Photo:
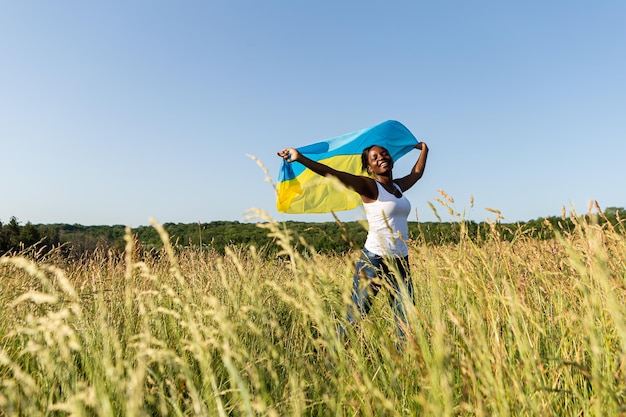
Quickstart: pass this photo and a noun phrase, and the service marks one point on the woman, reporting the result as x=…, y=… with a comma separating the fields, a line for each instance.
x=385, y=253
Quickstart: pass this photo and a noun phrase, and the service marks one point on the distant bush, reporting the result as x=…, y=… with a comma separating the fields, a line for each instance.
x=326, y=237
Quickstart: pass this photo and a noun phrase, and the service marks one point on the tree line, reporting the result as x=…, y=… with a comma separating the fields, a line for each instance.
x=76, y=240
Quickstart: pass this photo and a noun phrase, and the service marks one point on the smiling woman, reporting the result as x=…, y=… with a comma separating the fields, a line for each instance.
x=385, y=253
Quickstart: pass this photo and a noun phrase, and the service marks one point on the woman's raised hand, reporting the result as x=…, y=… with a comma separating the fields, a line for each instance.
x=289, y=154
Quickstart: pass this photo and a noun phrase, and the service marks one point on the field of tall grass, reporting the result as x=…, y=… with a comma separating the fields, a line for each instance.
x=499, y=328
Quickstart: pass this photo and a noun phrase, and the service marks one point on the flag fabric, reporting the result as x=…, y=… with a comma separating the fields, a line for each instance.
x=301, y=190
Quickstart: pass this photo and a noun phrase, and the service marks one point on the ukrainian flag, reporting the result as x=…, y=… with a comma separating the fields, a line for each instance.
x=300, y=190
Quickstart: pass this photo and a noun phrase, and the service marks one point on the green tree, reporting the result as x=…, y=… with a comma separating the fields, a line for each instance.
x=29, y=235
x=613, y=211
x=13, y=232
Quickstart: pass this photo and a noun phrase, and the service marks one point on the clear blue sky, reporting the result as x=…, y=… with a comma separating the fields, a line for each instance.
x=114, y=112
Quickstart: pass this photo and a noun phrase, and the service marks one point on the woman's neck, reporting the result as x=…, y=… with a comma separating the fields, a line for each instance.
x=385, y=179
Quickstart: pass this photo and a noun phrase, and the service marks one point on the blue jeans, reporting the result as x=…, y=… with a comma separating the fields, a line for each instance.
x=371, y=271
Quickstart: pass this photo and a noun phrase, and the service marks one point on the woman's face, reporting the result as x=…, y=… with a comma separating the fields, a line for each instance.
x=379, y=161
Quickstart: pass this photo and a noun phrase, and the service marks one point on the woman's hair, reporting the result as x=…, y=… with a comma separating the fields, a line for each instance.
x=365, y=154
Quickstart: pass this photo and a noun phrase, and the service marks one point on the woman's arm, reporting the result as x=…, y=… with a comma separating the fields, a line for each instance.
x=418, y=169
x=363, y=185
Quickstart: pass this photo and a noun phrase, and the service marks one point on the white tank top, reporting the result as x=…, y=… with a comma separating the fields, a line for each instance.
x=388, y=227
